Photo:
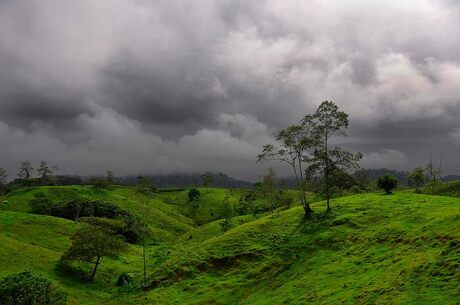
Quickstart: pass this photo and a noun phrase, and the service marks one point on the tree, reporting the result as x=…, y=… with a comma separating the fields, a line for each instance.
x=387, y=183
x=434, y=174
x=207, y=179
x=361, y=177
x=3, y=177
x=244, y=204
x=295, y=149
x=110, y=177
x=27, y=289
x=144, y=186
x=93, y=242
x=328, y=122
x=417, y=178
x=227, y=213
x=98, y=183
x=269, y=186
x=25, y=170
x=193, y=194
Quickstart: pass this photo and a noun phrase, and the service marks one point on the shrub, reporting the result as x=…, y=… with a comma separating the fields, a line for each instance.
x=41, y=204
x=193, y=194
x=124, y=280
x=387, y=183
x=27, y=289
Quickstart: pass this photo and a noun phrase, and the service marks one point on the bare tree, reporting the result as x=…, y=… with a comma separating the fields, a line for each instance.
x=295, y=149
x=434, y=173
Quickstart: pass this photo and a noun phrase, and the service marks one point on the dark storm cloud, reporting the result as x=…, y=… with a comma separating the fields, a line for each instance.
x=163, y=86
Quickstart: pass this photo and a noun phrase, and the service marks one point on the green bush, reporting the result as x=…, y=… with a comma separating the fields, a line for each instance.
x=27, y=289
x=193, y=194
x=387, y=183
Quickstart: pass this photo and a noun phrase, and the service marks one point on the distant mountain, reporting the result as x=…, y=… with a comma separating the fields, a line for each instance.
x=186, y=180
x=450, y=178
x=374, y=174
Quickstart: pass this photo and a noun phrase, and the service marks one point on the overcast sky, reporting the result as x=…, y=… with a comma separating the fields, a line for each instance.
x=188, y=86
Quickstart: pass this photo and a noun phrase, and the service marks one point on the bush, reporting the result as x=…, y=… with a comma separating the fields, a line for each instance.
x=27, y=289
x=193, y=194
x=124, y=280
x=387, y=183
x=41, y=204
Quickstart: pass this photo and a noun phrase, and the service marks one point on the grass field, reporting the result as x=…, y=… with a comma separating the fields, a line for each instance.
x=371, y=249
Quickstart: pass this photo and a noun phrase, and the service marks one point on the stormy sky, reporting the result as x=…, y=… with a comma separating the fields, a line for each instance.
x=155, y=87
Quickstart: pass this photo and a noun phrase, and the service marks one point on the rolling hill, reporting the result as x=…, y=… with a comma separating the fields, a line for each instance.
x=371, y=249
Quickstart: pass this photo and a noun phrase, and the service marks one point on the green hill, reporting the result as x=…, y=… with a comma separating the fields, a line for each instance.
x=451, y=189
x=372, y=249
x=164, y=219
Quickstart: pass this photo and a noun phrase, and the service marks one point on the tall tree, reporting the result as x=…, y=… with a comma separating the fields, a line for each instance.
x=227, y=213
x=417, y=178
x=143, y=185
x=93, y=242
x=25, y=170
x=44, y=171
x=328, y=122
x=434, y=173
x=3, y=177
x=110, y=177
x=207, y=179
x=269, y=184
x=295, y=148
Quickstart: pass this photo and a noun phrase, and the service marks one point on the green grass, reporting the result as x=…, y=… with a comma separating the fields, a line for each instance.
x=371, y=249
x=451, y=189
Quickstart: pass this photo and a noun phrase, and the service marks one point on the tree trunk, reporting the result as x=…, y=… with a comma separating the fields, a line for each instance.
x=96, y=264
x=307, y=211
x=326, y=174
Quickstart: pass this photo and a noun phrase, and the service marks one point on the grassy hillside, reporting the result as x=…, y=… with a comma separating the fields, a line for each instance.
x=451, y=189
x=36, y=242
x=164, y=219
x=372, y=249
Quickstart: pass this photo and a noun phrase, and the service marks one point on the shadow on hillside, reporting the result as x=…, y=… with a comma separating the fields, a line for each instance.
x=73, y=273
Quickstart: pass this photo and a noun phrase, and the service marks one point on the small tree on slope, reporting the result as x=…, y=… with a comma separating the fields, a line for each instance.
x=91, y=243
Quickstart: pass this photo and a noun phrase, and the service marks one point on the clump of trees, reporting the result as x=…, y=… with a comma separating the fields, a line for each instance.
x=78, y=209
x=96, y=239
x=306, y=148
x=27, y=289
x=387, y=183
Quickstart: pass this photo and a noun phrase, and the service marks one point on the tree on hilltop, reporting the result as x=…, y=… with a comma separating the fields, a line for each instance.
x=25, y=170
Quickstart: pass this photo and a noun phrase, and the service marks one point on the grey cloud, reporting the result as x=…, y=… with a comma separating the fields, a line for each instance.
x=184, y=80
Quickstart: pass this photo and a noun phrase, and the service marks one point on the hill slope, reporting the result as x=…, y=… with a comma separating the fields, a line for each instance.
x=164, y=219
x=372, y=249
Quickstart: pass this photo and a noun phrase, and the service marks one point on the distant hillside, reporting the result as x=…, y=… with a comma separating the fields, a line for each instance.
x=187, y=180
